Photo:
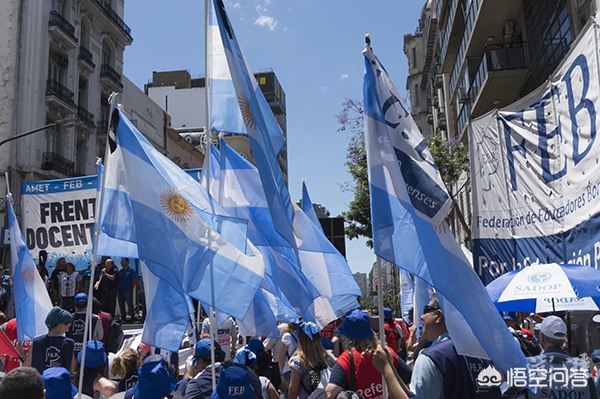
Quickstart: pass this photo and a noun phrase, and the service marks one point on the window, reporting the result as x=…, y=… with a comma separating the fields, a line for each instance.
x=262, y=80
x=107, y=53
x=58, y=6
x=55, y=71
x=414, y=57
x=416, y=95
x=85, y=33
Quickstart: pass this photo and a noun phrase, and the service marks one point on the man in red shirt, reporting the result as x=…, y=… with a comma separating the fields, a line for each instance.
x=10, y=329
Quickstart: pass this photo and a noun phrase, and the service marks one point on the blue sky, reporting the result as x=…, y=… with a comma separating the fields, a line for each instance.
x=314, y=48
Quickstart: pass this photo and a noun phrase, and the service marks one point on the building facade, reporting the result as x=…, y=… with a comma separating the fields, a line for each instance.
x=184, y=98
x=361, y=280
x=468, y=57
x=60, y=62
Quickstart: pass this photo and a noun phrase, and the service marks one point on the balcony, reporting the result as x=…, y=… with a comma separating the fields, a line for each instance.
x=430, y=34
x=86, y=117
x=86, y=59
x=102, y=127
x=114, y=19
x=59, y=96
x=110, y=79
x=60, y=29
x=509, y=66
x=53, y=161
x=448, y=31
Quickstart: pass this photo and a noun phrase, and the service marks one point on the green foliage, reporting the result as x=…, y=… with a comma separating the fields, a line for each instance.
x=451, y=158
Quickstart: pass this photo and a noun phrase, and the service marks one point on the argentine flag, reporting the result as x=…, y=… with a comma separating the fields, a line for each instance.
x=172, y=221
x=408, y=205
x=308, y=208
x=32, y=302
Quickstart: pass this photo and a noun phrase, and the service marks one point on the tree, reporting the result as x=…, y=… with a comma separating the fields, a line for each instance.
x=320, y=210
x=451, y=158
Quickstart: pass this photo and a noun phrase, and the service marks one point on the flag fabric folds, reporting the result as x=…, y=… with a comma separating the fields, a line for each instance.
x=308, y=208
x=408, y=205
x=32, y=302
x=239, y=189
x=264, y=134
x=174, y=225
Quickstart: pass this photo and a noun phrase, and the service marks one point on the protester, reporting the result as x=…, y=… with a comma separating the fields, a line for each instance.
x=439, y=371
x=5, y=289
x=76, y=332
x=22, y=382
x=154, y=380
x=200, y=386
x=553, y=368
x=125, y=365
x=107, y=287
x=94, y=379
x=127, y=280
x=226, y=335
x=69, y=282
x=10, y=329
x=246, y=357
x=289, y=342
x=309, y=364
x=383, y=362
x=53, y=349
x=59, y=267
x=355, y=371
x=265, y=366
x=237, y=381
x=394, y=336
x=57, y=381
x=105, y=318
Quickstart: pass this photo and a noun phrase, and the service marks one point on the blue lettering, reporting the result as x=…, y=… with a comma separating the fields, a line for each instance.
x=584, y=103
x=512, y=148
x=545, y=137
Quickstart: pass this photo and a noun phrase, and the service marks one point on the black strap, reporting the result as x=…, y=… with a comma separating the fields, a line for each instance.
x=352, y=370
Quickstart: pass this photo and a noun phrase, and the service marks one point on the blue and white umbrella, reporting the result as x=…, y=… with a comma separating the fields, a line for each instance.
x=547, y=288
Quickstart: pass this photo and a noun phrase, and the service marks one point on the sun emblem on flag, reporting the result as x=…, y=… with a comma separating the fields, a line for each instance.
x=246, y=111
x=175, y=206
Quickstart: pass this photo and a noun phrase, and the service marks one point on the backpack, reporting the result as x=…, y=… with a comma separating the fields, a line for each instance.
x=528, y=347
x=318, y=381
x=116, y=336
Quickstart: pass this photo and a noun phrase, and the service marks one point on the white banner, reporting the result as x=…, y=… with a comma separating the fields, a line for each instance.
x=536, y=172
x=58, y=217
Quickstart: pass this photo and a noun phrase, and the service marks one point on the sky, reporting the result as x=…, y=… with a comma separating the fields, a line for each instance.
x=314, y=48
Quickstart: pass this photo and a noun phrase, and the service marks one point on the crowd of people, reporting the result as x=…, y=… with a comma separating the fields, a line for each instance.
x=343, y=360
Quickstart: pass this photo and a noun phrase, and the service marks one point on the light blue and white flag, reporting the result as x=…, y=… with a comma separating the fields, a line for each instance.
x=32, y=302
x=408, y=205
x=261, y=126
x=226, y=115
x=175, y=225
x=308, y=208
x=167, y=312
x=285, y=290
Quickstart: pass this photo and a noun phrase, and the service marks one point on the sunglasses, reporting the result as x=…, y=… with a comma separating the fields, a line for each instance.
x=429, y=309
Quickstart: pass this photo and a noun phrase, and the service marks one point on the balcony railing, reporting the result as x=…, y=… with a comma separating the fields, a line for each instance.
x=494, y=58
x=448, y=29
x=86, y=116
x=86, y=56
x=110, y=13
x=53, y=161
x=108, y=72
x=55, y=88
x=102, y=127
x=59, y=21
x=472, y=13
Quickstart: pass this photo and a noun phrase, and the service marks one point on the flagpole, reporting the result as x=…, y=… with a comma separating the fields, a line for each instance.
x=97, y=215
x=207, y=133
x=382, y=340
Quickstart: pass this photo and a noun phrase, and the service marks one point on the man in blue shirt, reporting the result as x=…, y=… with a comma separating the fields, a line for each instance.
x=127, y=278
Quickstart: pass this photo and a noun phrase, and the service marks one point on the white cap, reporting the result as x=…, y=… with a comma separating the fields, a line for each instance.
x=554, y=327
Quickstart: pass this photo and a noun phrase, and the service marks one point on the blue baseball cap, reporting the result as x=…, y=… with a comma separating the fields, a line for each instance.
x=256, y=346
x=94, y=354
x=80, y=298
x=387, y=314
x=154, y=381
x=511, y=316
x=57, y=381
x=234, y=383
x=357, y=325
x=203, y=347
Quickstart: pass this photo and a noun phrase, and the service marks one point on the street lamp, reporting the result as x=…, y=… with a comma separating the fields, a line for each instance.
x=27, y=133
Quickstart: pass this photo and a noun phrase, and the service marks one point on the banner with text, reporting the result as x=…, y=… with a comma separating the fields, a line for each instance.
x=535, y=172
